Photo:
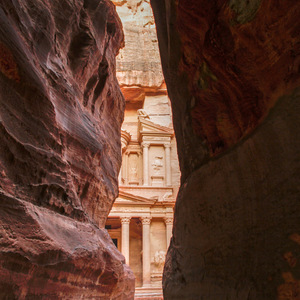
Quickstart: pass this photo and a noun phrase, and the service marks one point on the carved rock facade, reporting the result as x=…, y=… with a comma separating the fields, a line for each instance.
x=140, y=222
x=60, y=116
x=232, y=72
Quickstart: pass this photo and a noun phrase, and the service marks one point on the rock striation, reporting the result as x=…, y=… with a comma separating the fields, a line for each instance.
x=61, y=110
x=232, y=73
x=138, y=63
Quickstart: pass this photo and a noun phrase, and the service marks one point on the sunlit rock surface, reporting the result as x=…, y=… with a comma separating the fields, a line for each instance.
x=138, y=63
x=60, y=115
x=232, y=72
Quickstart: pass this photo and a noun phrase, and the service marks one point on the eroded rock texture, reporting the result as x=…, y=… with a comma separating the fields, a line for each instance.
x=60, y=115
x=232, y=72
x=138, y=63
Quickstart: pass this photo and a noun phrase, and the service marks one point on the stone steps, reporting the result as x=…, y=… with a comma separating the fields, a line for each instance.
x=151, y=293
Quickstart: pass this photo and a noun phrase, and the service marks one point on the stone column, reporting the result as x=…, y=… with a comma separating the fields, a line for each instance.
x=140, y=174
x=168, y=163
x=125, y=238
x=169, y=226
x=146, y=251
x=126, y=168
x=146, y=162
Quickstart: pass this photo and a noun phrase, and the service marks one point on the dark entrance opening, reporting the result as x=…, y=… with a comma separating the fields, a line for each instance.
x=115, y=241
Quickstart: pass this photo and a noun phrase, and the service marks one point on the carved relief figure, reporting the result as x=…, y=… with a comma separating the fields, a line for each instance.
x=159, y=258
x=157, y=164
x=133, y=172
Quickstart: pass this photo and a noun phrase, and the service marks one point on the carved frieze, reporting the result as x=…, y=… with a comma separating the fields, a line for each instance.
x=157, y=139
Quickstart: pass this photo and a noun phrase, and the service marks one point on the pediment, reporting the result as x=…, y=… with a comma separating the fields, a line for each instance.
x=146, y=126
x=127, y=198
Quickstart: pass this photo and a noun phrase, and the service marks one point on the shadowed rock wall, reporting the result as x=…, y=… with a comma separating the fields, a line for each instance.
x=232, y=72
x=60, y=115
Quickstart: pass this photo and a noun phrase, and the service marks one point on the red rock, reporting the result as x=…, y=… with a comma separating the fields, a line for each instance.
x=45, y=254
x=232, y=73
x=60, y=110
x=133, y=93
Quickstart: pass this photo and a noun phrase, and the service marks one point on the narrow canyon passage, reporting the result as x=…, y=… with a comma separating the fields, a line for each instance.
x=141, y=219
x=231, y=69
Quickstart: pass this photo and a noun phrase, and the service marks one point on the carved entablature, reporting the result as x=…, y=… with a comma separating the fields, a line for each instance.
x=160, y=140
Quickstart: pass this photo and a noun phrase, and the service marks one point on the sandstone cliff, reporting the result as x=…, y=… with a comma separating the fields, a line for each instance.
x=138, y=63
x=60, y=115
x=232, y=72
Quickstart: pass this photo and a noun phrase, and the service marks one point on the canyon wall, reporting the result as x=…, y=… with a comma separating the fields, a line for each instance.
x=61, y=110
x=232, y=73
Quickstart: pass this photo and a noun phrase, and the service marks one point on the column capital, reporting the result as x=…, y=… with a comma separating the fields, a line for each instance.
x=167, y=145
x=125, y=220
x=169, y=220
x=146, y=220
x=145, y=144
